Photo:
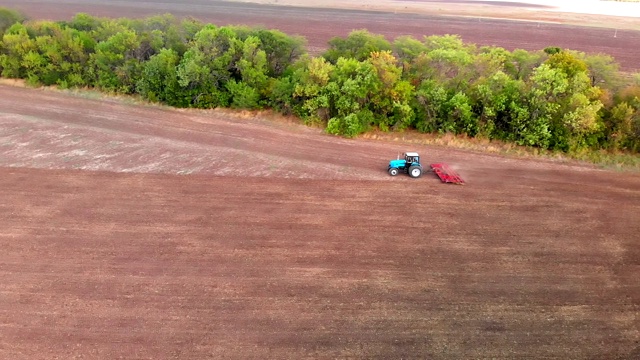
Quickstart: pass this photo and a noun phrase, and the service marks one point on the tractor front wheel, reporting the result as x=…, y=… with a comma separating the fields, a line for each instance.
x=415, y=171
x=393, y=171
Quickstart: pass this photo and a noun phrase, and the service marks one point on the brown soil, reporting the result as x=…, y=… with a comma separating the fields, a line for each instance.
x=133, y=231
x=211, y=234
x=319, y=21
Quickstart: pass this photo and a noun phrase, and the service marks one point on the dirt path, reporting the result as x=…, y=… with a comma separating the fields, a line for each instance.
x=316, y=254
x=54, y=130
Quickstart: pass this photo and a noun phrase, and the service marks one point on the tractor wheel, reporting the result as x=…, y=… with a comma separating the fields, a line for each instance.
x=415, y=171
x=393, y=171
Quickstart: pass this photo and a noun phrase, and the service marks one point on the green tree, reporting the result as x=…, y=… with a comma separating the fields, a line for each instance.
x=521, y=63
x=16, y=46
x=178, y=36
x=441, y=110
x=159, y=80
x=252, y=87
x=445, y=42
x=548, y=86
x=552, y=50
x=358, y=45
x=603, y=71
x=390, y=98
x=162, y=31
x=447, y=62
x=407, y=49
x=85, y=22
x=352, y=82
x=243, y=96
x=281, y=94
x=8, y=17
x=311, y=81
x=208, y=65
x=500, y=104
x=362, y=94
x=62, y=55
x=620, y=125
x=489, y=61
x=577, y=123
x=280, y=49
x=567, y=62
x=460, y=117
x=429, y=106
x=113, y=65
x=633, y=140
x=252, y=65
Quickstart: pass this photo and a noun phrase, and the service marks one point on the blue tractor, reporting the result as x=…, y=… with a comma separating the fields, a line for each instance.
x=410, y=165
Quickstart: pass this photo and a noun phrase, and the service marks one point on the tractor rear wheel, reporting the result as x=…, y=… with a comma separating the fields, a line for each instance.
x=393, y=171
x=415, y=171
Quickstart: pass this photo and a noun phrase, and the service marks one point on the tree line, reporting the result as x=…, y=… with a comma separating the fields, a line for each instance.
x=554, y=98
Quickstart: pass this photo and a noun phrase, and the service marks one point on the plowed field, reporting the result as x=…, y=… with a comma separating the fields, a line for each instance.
x=480, y=22
x=141, y=232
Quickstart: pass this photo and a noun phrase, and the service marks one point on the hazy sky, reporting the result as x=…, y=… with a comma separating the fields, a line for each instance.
x=615, y=8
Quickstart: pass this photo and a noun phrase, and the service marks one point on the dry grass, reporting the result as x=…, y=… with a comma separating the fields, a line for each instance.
x=619, y=161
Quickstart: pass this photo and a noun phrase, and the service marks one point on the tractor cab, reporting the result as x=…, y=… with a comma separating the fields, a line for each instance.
x=412, y=158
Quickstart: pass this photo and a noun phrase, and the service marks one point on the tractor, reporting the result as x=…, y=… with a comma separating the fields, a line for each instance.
x=410, y=165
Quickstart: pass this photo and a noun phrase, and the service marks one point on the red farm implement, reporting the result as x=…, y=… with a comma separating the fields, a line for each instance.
x=447, y=174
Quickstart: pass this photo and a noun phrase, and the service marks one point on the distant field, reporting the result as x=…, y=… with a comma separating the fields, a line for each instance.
x=479, y=24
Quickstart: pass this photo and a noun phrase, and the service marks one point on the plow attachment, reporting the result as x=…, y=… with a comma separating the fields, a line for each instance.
x=447, y=174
